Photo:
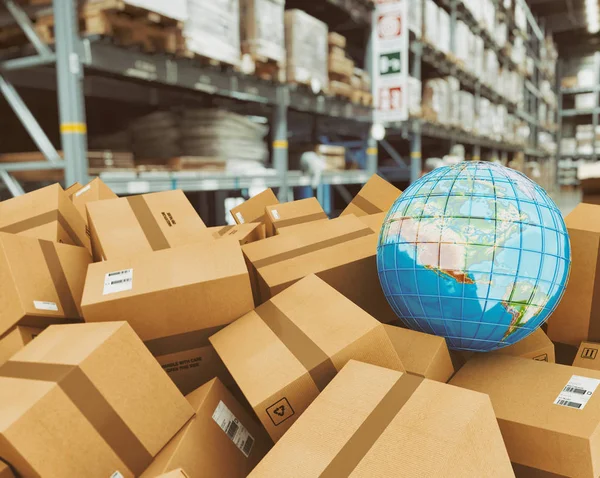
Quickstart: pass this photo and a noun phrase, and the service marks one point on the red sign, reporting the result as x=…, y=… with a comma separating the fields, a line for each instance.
x=389, y=26
x=390, y=99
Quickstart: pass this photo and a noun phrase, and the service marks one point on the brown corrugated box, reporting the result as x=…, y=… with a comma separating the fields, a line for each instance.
x=577, y=317
x=527, y=472
x=376, y=196
x=293, y=213
x=587, y=356
x=15, y=340
x=342, y=252
x=536, y=346
x=221, y=440
x=46, y=213
x=374, y=422
x=178, y=473
x=86, y=400
x=95, y=190
x=284, y=352
x=41, y=281
x=539, y=433
x=5, y=471
x=591, y=190
x=422, y=354
x=174, y=300
x=144, y=223
x=73, y=188
x=253, y=210
x=374, y=221
x=244, y=233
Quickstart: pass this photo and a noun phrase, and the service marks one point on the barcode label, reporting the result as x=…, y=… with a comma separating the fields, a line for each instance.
x=44, y=305
x=233, y=428
x=239, y=217
x=82, y=190
x=577, y=392
x=118, y=281
x=275, y=214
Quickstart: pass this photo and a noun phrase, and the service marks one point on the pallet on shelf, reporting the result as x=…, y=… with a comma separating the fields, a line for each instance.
x=262, y=66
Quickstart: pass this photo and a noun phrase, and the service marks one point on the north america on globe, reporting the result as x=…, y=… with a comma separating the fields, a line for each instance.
x=476, y=253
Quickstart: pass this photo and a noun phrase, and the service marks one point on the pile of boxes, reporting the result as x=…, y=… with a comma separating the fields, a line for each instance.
x=166, y=348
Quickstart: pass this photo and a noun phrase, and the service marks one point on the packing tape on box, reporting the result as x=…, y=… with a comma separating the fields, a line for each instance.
x=42, y=220
x=334, y=241
x=371, y=429
x=91, y=403
x=181, y=342
x=148, y=223
x=294, y=221
x=59, y=279
x=309, y=354
x=365, y=205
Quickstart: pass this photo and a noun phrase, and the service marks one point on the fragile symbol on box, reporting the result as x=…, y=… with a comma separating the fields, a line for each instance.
x=541, y=358
x=280, y=411
x=389, y=26
x=589, y=353
x=390, y=99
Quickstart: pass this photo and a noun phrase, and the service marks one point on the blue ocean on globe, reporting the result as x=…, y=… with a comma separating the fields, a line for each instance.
x=477, y=253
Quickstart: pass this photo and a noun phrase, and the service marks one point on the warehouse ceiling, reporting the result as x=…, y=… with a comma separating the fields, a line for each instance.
x=566, y=20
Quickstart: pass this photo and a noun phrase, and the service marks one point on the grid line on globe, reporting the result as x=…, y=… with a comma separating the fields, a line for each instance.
x=476, y=253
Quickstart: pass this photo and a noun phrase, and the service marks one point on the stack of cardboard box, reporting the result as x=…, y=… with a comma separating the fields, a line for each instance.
x=277, y=331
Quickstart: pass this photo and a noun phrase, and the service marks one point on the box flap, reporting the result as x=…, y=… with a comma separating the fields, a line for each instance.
x=376, y=196
x=585, y=217
x=253, y=210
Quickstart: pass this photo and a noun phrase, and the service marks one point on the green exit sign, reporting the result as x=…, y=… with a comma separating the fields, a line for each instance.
x=389, y=63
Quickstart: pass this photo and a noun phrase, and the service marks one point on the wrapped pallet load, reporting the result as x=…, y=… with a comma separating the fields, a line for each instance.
x=262, y=29
x=307, y=50
x=212, y=30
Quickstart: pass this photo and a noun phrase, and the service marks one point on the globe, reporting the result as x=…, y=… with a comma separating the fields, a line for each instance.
x=476, y=253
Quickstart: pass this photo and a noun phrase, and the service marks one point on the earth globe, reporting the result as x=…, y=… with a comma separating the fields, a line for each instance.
x=477, y=253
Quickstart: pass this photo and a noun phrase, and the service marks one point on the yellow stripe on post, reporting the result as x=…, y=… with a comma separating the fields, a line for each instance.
x=280, y=144
x=73, y=128
x=415, y=155
x=372, y=151
x=476, y=158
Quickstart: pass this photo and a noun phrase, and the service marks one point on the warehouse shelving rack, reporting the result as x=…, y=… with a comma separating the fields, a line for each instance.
x=415, y=129
x=73, y=55
x=573, y=113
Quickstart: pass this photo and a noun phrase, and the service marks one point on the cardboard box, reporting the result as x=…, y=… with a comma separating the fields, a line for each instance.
x=538, y=431
x=292, y=213
x=253, y=210
x=41, y=281
x=174, y=300
x=178, y=473
x=527, y=472
x=375, y=422
x=577, y=317
x=374, y=221
x=95, y=190
x=5, y=471
x=342, y=252
x=221, y=440
x=376, y=196
x=307, y=50
x=15, y=340
x=587, y=356
x=422, y=354
x=145, y=223
x=286, y=351
x=45, y=213
x=73, y=188
x=86, y=400
x=244, y=233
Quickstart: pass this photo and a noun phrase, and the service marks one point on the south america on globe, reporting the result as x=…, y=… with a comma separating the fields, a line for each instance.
x=477, y=253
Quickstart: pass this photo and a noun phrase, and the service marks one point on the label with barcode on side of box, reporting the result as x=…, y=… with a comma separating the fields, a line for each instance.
x=233, y=428
x=117, y=474
x=118, y=281
x=44, y=305
x=577, y=392
x=239, y=217
x=82, y=190
x=275, y=214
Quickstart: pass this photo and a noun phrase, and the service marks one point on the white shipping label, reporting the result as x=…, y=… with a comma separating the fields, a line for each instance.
x=82, y=190
x=117, y=474
x=118, y=281
x=43, y=305
x=577, y=392
x=239, y=217
x=234, y=429
x=275, y=214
